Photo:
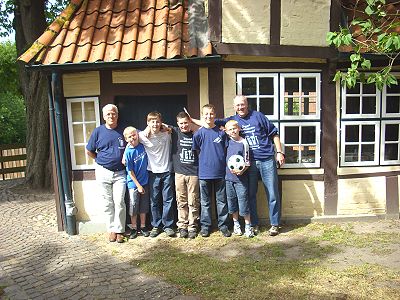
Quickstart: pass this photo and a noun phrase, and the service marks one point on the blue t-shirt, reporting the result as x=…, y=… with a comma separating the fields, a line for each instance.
x=258, y=131
x=211, y=144
x=237, y=148
x=109, y=145
x=136, y=161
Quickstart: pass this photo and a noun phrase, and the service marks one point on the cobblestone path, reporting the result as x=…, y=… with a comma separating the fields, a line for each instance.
x=38, y=262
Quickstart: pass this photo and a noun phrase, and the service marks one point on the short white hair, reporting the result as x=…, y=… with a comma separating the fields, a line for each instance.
x=239, y=97
x=110, y=107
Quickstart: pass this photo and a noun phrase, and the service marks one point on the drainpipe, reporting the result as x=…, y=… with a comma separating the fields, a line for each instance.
x=56, y=152
x=70, y=209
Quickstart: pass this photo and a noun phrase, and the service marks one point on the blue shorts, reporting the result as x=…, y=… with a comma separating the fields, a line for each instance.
x=139, y=203
x=237, y=195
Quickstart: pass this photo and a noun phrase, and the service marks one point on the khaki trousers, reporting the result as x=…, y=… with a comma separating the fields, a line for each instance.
x=188, y=201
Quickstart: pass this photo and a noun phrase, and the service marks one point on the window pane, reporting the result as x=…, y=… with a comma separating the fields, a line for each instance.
x=80, y=155
x=76, y=110
x=89, y=129
x=252, y=103
x=291, y=106
x=291, y=85
x=391, y=132
x=392, y=104
x=267, y=106
x=367, y=152
x=354, y=90
x=249, y=86
x=291, y=135
x=308, y=135
x=308, y=85
x=394, y=89
x=266, y=86
x=309, y=106
x=308, y=154
x=369, y=105
x=368, y=133
x=352, y=105
x=369, y=89
x=292, y=155
x=352, y=132
x=78, y=133
x=89, y=111
x=351, y=153
x=391, y=152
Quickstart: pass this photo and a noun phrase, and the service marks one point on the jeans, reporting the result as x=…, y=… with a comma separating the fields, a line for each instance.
x=206, y=187
x=269, y=177
x=161, y=187
x=188, y=201
x=238, y=200
x=112, y=186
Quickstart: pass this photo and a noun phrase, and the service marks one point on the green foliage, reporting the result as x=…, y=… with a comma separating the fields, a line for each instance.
x=374, y=35
x=12, y=107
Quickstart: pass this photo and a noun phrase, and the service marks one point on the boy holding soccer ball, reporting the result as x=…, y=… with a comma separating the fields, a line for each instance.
x=236, y=178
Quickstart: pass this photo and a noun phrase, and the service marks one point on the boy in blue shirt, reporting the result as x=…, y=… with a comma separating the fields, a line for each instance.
x=137, y=181
x=210, y=142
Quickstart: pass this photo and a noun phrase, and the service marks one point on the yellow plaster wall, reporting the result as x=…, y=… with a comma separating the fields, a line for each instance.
x=150, y=76
x=246, y=21
x=358, y=196
x=81, y=84
x=305, y=22
x=229, y=76
x=302, y=198
x=204, y=97
x=87, y=202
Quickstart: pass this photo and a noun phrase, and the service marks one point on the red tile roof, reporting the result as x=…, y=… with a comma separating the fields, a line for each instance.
x=118, y=30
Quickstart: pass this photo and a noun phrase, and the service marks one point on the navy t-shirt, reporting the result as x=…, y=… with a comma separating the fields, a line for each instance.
x=258, y=131
x=211, y=144
x=236, y=148
x=185, y=159
x=109, y=144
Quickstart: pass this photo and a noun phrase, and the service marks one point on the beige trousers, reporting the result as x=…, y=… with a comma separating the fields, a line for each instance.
x=188, y=201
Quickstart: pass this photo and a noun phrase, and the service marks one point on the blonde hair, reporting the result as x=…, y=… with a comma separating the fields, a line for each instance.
x=232, y=123
x=128, y=130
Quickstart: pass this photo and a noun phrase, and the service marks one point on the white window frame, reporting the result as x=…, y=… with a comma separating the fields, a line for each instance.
x=317, y=77
x=240, y=76
x=384, y=96
x=383, y=142
x=345, y=115
x=72, y=143
x=343, y=144
x=317, y=126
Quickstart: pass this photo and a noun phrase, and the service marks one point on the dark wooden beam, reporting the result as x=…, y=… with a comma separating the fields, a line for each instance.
x=215, y=20
x=215, y=89
x=275, y=27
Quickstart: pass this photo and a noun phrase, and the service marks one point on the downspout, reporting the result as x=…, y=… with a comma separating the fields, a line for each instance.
x=56, y=152
x=70, y=209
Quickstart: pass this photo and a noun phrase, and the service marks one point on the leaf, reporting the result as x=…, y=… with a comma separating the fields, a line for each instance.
x=369, y=11
x=355, y=57
x=366, y=64
x=338, y=76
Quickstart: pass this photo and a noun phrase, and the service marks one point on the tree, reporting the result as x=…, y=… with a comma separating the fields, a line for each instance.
x=371, y=31
x=29, y=23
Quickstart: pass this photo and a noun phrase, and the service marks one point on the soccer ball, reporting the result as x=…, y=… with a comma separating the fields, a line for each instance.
x=236, y=163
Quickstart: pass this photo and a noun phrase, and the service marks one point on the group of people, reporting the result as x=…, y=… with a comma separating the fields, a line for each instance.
x=188, y=162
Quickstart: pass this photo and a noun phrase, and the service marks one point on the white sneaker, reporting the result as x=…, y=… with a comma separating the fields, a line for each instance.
x=249, y=232
x=237, y=230
x=274, y=230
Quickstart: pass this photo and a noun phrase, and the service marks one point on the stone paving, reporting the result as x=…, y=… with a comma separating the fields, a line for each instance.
x=38, y=262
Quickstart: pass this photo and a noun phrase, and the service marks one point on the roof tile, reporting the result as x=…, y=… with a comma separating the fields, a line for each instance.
x=117, y=30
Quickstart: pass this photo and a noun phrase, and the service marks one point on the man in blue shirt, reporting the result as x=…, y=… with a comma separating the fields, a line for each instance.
x=106, y=145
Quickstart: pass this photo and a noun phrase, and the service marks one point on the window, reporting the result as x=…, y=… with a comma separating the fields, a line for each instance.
x=83, y=118
x=370, y=121
x=292, y=102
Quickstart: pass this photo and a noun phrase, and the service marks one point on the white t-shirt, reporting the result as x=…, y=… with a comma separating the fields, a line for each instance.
x=158, y=149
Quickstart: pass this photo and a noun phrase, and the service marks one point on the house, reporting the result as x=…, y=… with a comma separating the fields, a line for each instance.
x=342, y=145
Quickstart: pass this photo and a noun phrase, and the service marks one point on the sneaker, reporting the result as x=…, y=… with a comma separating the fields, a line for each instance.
x=144, y=231
x=155, y=232
x=249, y=232
x=120, y=238
x=256, y=229
x=133, y=234
x=225, y=232
x=170, y=232
x=113, y=237
x=204, y=232
x=237, y=230
x=274, y=230
x=183, y=233
x=192, y=234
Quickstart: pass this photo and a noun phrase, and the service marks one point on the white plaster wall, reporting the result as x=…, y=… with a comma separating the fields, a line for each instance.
x=305, y=22
x=87, y=201
x=246, y=21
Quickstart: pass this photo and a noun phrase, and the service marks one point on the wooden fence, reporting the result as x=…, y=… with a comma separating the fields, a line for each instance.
x=12, y=161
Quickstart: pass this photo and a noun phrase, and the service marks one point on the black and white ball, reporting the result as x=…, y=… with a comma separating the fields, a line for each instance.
x=236, y=163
